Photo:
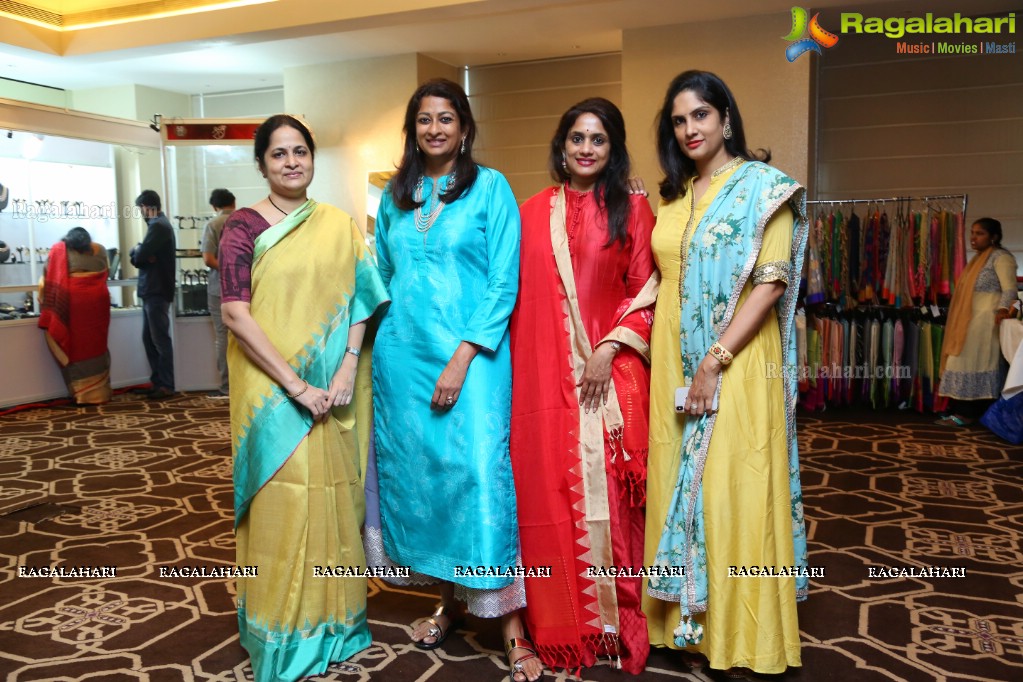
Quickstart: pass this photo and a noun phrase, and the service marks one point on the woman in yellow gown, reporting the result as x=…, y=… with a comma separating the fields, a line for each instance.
x=723, y=496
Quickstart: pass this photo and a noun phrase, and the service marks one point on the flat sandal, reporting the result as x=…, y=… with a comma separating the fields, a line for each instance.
x=439, y=633
x=516, y=667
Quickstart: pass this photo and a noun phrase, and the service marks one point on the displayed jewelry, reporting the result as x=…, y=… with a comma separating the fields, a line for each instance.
x=425, y=222
x=270, y=199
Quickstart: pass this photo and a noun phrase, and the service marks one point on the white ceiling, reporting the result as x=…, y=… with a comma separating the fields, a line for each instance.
x=470, y=33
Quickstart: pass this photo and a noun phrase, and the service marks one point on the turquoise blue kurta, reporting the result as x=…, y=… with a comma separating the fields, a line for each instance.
x=447, y=498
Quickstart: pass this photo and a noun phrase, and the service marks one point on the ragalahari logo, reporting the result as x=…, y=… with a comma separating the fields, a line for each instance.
x=819, y=37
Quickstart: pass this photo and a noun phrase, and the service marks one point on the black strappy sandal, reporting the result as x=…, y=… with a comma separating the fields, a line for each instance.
x=439, y=633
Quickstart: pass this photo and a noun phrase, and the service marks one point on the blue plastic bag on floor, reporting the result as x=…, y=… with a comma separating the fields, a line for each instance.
x=1005, y=419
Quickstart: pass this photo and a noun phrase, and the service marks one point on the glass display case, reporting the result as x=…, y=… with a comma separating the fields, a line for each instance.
x=49, y=185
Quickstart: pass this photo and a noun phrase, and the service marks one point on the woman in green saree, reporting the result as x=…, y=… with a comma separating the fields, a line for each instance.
x=298, y=285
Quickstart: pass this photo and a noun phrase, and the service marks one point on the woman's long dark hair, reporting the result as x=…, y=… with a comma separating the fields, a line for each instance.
x=678, y=167
x=612, y=187
x=412, y=165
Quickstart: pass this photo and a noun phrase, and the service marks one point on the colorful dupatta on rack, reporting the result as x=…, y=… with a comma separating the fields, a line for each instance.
x=298, y=497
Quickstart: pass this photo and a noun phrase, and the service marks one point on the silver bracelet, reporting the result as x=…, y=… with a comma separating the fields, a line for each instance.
x=353, y=350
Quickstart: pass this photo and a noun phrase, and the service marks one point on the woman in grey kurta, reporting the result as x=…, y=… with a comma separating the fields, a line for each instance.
x=447, y=236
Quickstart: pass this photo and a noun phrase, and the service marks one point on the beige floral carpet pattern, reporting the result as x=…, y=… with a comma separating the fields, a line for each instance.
x=146, y=485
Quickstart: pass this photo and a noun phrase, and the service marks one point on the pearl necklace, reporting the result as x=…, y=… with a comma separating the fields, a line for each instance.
x=425, y=222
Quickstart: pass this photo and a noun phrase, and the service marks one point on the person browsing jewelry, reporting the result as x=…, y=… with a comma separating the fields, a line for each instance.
x=447, y=236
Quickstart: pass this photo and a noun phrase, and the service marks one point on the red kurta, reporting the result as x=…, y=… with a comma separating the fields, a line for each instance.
x=561, y=611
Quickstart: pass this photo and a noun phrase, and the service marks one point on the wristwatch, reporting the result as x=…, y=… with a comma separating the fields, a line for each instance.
x=616, y=345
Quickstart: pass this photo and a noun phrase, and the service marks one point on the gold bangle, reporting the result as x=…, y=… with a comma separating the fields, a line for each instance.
x=723, y=355
x=304, y=389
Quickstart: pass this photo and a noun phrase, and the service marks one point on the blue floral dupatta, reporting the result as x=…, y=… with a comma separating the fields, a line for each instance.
x=721, y=256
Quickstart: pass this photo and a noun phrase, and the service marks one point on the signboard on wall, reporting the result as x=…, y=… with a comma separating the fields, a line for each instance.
x=206, y=131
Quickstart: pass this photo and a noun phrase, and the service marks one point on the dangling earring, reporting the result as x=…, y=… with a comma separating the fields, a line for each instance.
x=418, y=151
x=463, y=146
x=564, y=161
x=727, y=132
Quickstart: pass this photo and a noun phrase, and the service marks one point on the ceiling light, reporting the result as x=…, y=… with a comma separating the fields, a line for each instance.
x=67, y=22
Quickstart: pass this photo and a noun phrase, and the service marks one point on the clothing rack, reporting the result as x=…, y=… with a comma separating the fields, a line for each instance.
x=884, y=200
x=877, y=291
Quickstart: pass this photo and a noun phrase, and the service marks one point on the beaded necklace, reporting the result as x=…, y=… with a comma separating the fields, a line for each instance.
x=425, y=222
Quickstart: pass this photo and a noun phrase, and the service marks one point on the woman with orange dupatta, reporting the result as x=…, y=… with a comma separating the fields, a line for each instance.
x=75, y=313
x=298, y=285
x=580, y=393
x=972, y=367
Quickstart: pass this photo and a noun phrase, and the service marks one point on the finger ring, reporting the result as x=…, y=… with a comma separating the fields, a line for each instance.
x=451, y=399
x=693, y=409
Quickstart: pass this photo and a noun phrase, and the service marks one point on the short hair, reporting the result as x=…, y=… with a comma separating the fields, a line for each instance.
x=148, y=198
x=78, y=239
x=992, y=227
x=221, y=198
x=261, y=143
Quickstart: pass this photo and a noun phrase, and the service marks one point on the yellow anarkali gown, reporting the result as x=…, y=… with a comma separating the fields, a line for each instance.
x=750, y=622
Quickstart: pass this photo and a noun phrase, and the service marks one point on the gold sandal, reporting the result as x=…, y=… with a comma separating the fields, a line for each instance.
x=516, y=667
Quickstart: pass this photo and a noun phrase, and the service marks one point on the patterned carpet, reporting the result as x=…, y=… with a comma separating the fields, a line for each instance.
x=141, y=485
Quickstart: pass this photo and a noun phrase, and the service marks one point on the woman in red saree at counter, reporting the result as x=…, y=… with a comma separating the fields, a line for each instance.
x=75, y=313
x=580, y=391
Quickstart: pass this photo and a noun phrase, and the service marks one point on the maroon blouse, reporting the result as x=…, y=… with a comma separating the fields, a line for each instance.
x=237, y=244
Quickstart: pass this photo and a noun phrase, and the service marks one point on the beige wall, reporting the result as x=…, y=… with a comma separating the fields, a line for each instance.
x=518, y=106
x=773, y=95
x=911, y=125
x=356, y=110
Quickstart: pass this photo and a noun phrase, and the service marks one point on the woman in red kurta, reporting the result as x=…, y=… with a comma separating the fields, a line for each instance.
x=580, y=385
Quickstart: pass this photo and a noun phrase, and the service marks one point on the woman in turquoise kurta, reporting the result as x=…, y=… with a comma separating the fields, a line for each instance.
x=447, y=236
